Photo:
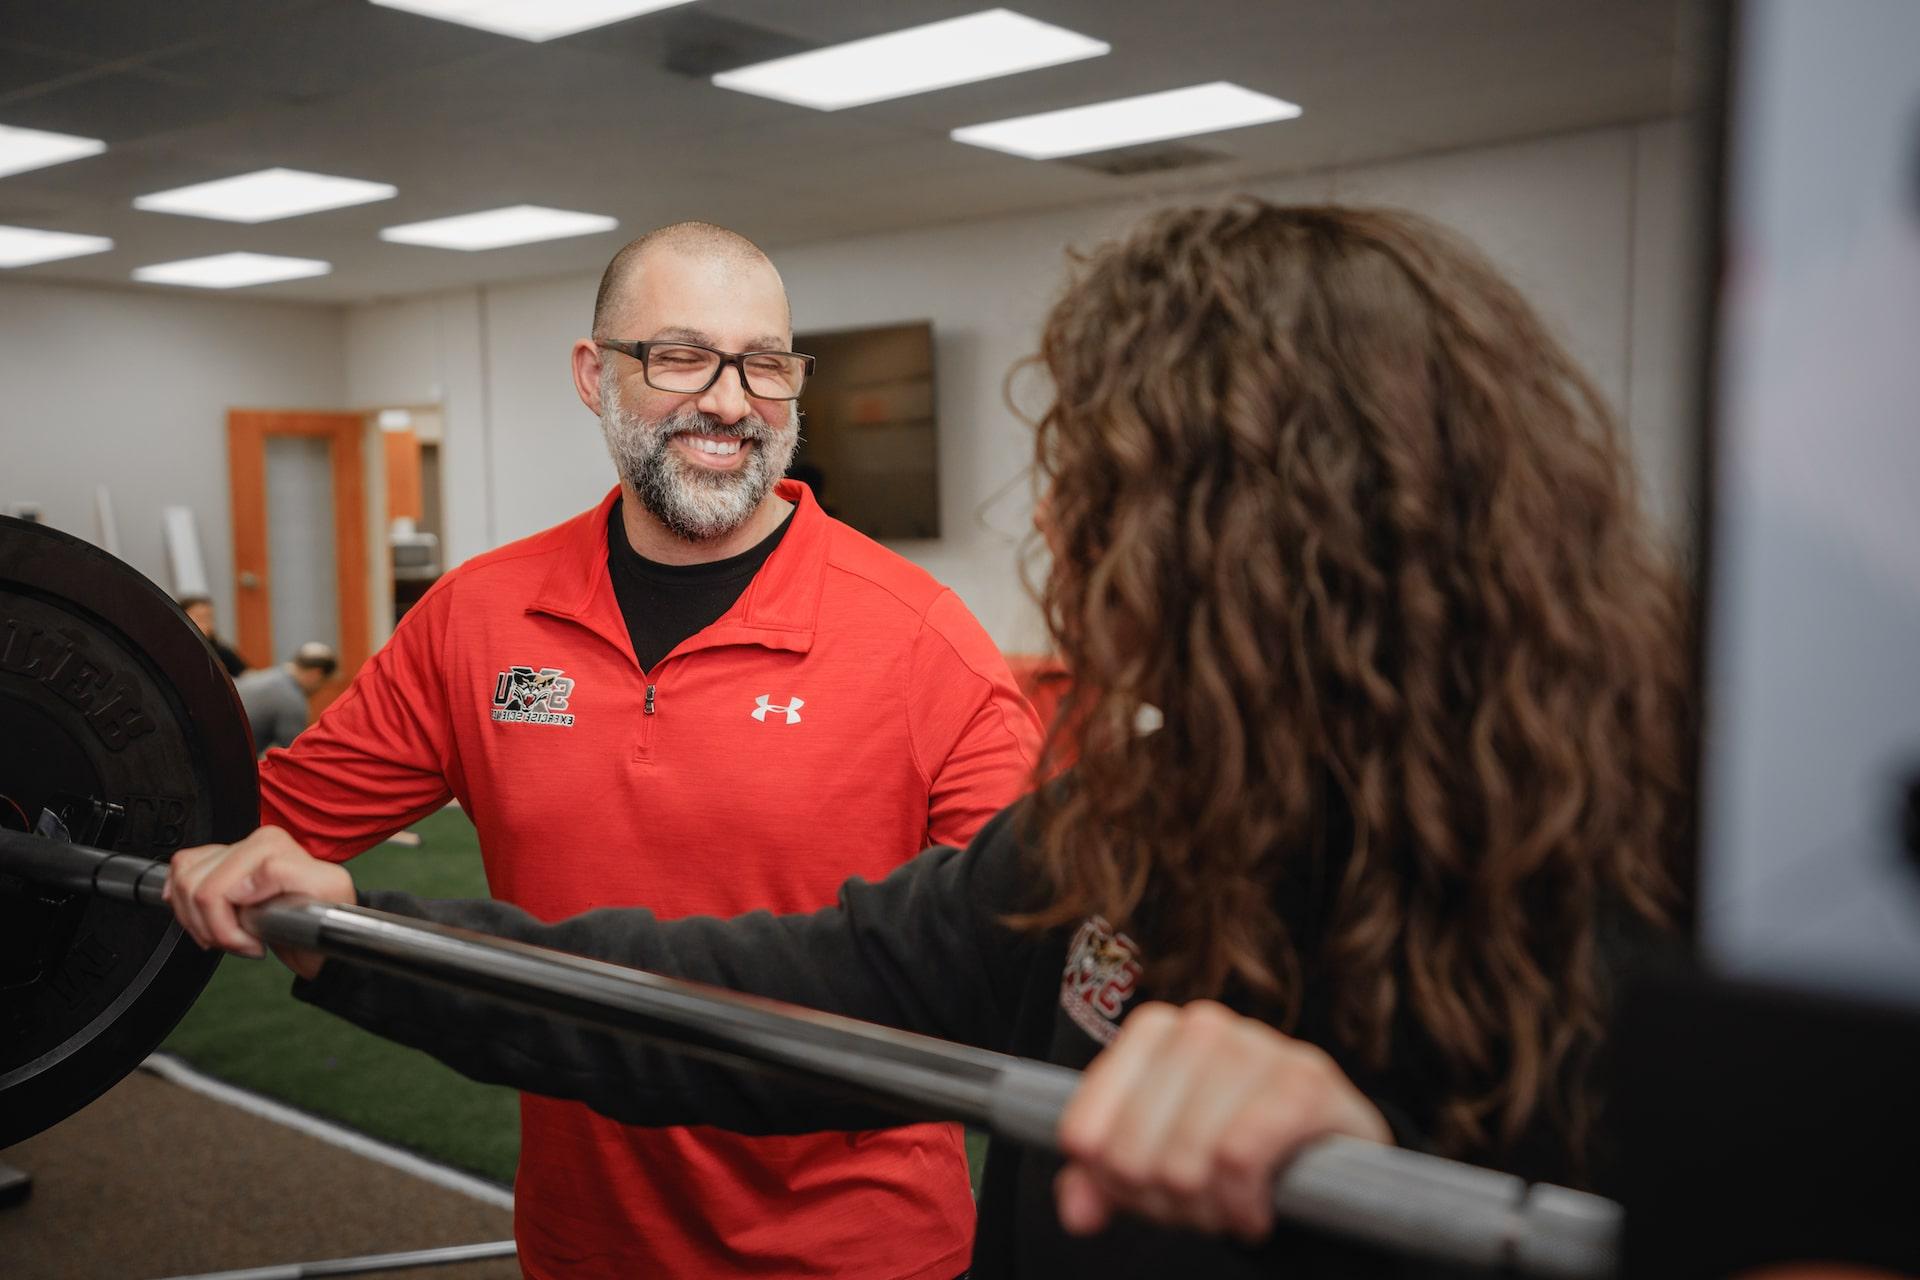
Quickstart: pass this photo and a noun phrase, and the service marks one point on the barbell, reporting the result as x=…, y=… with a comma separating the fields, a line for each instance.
x=121, y=741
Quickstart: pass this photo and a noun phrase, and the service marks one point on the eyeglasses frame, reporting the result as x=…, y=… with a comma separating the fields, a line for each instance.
x=637, y=350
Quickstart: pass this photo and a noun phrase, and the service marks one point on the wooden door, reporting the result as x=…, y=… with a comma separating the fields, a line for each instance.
x=250, y=433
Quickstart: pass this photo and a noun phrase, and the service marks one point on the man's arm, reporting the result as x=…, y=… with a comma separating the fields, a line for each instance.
x=374, y=762
x=377, y=760
x=974, y=735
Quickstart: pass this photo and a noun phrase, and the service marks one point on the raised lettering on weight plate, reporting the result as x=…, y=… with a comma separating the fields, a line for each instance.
x=107, y=702
x=16, y=648
x=87, y=962
x=154, y=825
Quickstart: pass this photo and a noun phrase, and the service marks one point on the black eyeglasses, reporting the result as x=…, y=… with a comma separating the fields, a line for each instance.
x=687, y=368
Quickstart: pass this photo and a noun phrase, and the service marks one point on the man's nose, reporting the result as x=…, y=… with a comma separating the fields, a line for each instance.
x=726, y=399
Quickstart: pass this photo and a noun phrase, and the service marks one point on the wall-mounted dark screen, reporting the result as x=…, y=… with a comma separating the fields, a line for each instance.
x=870, y=448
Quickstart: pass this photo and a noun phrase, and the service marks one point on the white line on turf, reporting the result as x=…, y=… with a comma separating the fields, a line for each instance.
x=170, y=1068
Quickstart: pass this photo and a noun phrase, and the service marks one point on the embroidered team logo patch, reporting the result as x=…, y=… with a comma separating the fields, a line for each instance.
x=1103, y=969
x=522, y=695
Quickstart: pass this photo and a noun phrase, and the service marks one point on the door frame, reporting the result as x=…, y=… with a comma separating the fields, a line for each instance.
x=247, y=434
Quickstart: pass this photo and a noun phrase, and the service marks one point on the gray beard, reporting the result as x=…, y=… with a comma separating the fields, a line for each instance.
x=695, y=503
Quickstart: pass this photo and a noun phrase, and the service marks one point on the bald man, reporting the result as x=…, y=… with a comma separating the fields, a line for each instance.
x=703, y=696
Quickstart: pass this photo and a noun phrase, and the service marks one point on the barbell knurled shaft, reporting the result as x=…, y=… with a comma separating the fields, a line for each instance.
x=1378, y=1194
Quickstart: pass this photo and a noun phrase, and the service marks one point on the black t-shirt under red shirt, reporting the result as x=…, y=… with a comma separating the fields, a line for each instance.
x=663, y=604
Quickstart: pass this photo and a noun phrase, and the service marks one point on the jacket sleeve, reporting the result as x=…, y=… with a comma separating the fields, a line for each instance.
x=377, y=759
x=923, y=950
x=973, y=735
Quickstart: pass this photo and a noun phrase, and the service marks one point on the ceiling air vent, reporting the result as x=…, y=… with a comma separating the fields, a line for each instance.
x=1153, y=157
x=702, y=45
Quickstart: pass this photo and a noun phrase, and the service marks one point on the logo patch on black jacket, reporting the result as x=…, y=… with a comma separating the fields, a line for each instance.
x=1103, y=970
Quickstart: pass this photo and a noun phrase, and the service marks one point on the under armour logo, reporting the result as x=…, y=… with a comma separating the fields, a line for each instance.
x=764, y=704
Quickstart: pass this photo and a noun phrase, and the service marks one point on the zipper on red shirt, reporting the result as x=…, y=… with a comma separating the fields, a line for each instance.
x=643, y=738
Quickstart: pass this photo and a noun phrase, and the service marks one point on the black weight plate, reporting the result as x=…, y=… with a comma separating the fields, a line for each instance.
x=115, y=716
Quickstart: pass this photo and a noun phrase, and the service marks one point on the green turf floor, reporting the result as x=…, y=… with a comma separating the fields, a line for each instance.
x=245, y=1029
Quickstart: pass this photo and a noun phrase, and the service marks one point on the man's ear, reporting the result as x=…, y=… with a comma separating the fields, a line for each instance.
x=586, y=373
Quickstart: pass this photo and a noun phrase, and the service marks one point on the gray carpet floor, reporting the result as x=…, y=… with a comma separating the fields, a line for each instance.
x=156, y=1180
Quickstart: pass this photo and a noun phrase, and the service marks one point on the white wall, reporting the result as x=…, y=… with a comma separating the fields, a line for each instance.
x=430, y=351
x=1664, y=343
x=130, y=388
x=1595, y=227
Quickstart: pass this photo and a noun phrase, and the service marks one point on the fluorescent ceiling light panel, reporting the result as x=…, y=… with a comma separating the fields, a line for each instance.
x=939, y=55
x=24, y=149
x=24, y=246
x=264, y=196
x=1126, y=122
x=535, y=20
x=498, y=228
x=231, y=270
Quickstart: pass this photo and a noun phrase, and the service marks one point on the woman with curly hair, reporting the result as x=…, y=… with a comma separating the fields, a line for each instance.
x=1380, y=750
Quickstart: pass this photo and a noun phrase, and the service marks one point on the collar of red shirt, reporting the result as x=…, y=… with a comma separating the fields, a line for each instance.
x=780, y=608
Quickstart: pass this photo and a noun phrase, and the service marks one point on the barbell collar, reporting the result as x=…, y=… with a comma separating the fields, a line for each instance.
x=1385, y=1196
x=70, y=868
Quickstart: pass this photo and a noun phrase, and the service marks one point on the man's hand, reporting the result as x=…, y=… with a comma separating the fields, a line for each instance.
x=206, y=885
x=1190, y=1114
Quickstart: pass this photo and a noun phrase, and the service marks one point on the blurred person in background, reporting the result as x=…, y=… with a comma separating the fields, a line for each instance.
x=200, y=609
x=278, y=699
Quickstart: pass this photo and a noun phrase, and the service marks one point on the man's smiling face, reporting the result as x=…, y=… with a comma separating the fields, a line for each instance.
x=701, y=463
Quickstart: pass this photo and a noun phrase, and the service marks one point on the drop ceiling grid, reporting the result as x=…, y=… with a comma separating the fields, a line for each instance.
x=461, y=120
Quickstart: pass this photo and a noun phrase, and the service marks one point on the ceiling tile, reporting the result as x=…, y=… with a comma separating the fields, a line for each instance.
x=103, y=30
x=21, y=71
x=332, y=50
x=128, y=105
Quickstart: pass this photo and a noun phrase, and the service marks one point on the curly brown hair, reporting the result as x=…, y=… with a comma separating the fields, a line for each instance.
x=1326, y=495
